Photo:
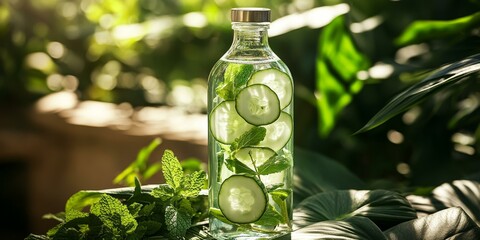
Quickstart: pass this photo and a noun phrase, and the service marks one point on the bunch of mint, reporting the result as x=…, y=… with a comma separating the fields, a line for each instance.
x=166, y=210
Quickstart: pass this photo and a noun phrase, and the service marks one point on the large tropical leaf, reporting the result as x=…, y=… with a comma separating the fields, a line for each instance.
x=444, y=77
x=452, y=223
x=424, y=30
x=315, y=173
x=338, y=62
x=350, y=228
x=385, y=208
x=459, y=193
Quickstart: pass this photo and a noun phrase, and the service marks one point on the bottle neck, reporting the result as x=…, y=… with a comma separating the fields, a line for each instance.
x=250, y=35
x=250, y=42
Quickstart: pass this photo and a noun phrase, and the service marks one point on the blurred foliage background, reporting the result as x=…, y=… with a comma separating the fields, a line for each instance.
x=348, y=58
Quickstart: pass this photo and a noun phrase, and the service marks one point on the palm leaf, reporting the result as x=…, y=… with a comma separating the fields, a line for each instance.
x=451, y=223
x=443, y=78
x=352, y=228
x=385, y=208
x=459, y=193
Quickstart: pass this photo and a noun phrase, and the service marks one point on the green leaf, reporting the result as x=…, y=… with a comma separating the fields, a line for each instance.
x=172, y=170
x=186, y=206
x=459, y=193
x=192, y=184
x=352, y=228
x=274, y=164
x=385, y=208
x=114, y=215
x=236, y=75
x=163, y=191
x=451, y=223
x=442, y=78
x=315, y=173
x=424, y=30
x=271, y=217
x=135, y=209
x=60, y=217
x=138, y=168
x=36, y=237
x=237, y=166
x=281, y=194
x=151, y=170
x=273, y=187
x=338, y=62
x=252, y=137
x=73, y=213
x=218, y=214
x=177, y=222
x=150, y=227
x=82, y=199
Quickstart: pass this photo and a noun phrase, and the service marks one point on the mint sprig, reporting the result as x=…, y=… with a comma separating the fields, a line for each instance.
x=236, y=75
x=134, y=213
x=251, y=137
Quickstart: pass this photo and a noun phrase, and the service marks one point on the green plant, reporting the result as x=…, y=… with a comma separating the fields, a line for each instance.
x=326, y=207
x=135, y=213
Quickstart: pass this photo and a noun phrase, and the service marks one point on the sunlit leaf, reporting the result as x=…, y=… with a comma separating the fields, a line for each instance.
x=86, y=198
x=451, y=223
x=459, y=193
x=442, y=78
x=421, y=30
x=351, y=228
x=139, y=168
x=315, y=173
x=385, y=208
x=338, y=62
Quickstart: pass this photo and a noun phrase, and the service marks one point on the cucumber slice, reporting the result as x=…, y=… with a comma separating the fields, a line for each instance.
x=258, y=104
x=242, y=199
x=225, y=123
x=278, y=81
x=259, y=155
x=278, y=133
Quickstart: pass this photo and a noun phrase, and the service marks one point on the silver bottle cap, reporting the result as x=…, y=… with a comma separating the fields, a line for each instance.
x=250, y=15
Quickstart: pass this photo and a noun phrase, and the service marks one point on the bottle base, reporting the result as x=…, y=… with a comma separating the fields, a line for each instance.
x=247, y=235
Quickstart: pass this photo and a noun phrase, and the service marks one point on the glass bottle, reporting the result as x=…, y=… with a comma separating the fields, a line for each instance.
x=250, y=140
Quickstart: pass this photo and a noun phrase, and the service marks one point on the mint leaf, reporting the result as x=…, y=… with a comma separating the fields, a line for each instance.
x=251, y=137
x=273, y=165
x=135, y=209
x=58, y=217
x=271, y=217
x=192, y=184
x=147, y=210
x=186, y=206
x=236, y=75
x=82, y=199
x=73, y=213
x=172, y=170
x=114, y=215
x=219, y=215
x=236, y=166
x=177, y=222
x=281, y=194
x=163, y=191
x=36, y=237
x=150, y=227
x=272, y=187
